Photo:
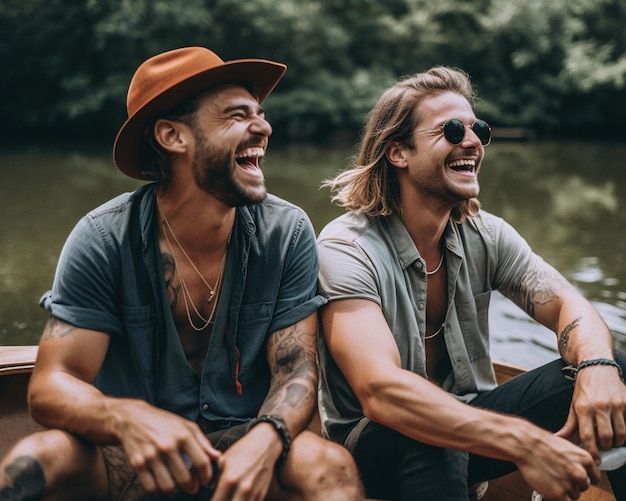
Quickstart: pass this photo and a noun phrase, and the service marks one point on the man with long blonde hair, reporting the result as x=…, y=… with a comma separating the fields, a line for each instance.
x=407, y=379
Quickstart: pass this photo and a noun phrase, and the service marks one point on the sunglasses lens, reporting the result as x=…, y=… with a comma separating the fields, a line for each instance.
x=483, y=131
x=454, y=131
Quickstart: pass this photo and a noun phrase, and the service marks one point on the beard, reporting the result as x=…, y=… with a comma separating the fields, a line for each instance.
x=215, y=172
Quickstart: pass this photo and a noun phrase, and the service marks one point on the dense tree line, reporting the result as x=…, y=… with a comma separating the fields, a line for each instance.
x=557, y=66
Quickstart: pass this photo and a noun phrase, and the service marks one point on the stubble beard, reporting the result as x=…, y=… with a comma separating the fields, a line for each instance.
x=214, y=173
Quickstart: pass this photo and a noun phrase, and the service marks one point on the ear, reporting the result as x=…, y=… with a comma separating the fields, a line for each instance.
x=396, y=155
x=171, y=135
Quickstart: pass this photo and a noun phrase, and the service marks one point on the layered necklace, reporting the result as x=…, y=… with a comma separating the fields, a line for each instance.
x=187, y=298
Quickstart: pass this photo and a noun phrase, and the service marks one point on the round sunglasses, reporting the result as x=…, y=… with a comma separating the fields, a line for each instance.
x=454, y=131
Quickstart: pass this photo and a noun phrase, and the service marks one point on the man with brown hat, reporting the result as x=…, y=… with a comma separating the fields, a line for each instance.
x=182, y=336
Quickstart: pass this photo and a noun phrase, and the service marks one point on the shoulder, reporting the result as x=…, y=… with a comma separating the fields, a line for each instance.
x=486, y=226
x=113, y=220
x=121, y=204
x=277, y=214
x=355, y=241
x=351, y=227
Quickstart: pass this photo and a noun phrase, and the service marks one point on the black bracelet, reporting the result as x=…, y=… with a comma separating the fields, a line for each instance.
x=284, y=435
x=282, y=430
x=572, y=372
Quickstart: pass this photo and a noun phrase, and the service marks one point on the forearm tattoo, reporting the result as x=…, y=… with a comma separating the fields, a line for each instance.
x=23, y=480
x=169, y=270
x=293, y=367
x=564, y=335
x=57, y=328
x=540, y=285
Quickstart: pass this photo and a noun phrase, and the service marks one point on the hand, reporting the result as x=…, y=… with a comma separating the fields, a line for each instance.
x=168, y=453
x=557, y=469
x=247, y=467
x=598, y=410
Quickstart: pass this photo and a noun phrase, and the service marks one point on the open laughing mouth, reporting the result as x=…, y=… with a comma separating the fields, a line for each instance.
x=463, y=165
x=250, y=159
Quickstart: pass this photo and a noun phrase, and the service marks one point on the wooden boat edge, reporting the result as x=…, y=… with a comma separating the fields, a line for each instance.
x=17, y=359
x=17, y=362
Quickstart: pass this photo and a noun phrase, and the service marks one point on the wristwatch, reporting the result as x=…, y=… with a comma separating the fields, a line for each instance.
x=281, y=428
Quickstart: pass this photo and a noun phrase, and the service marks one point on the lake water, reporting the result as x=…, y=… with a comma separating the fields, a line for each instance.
x=568, y=199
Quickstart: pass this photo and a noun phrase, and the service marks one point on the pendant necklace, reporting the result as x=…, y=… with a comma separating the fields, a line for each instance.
x=187, y=298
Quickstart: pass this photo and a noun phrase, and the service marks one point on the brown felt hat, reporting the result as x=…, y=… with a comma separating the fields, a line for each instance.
x=166, y=80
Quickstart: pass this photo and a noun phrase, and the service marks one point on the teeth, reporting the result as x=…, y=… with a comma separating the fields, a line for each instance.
x=463, y=163
x=253, y=152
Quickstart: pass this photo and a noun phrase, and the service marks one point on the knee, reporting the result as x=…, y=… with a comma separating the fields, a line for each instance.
x=42, y=461
x=44, y=447
x=322, y=465
x=22, y=474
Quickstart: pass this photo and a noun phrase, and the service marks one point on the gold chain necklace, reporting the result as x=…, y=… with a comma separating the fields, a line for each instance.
x=187, y=298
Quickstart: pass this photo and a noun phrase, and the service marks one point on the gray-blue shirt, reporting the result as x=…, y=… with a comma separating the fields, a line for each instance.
x=362, y=257
x=109, y=278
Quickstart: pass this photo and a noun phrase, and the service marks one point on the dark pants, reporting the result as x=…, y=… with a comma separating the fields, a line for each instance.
x=125, y=486
x=396, y=467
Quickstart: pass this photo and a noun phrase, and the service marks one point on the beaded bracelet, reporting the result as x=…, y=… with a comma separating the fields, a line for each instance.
x=572, y=372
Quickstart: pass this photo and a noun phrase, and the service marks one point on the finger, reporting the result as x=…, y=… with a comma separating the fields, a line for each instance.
x=570, y=426
x=198, y=458
x=604, y=431
x=619, y=430
x=593, y=474
x=182, y=471
x=575, y=491
x=577, y=486
x=165, y=482
x=587, y=434
x=144, y=473
x=147, y=480
x=206, y=444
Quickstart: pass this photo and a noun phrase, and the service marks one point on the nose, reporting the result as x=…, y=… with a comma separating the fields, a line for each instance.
x=261, y=126
x=470, y=139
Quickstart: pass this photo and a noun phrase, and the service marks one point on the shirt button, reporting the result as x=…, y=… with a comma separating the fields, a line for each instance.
x=419, y=265
x=420, y=306
x=205, y=407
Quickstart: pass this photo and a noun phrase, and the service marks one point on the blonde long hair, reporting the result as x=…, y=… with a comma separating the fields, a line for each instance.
x=370, y=184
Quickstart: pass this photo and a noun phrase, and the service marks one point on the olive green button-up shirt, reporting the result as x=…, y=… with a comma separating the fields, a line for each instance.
x=362, y=257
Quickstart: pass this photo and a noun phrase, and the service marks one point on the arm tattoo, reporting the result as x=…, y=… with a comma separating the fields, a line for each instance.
x=23, y=480
x=291, y=354
x=540, y=285
x=57, y=328
x=564, y=336
x=169, y=270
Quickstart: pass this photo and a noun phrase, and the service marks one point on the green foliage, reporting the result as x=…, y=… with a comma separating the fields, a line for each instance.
x=554, y=65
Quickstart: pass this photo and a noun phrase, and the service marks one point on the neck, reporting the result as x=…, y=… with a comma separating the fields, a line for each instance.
x=426, y=232
x=201, y=222
x=425, y=218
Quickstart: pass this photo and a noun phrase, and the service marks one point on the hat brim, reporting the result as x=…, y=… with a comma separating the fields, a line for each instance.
x=129, y=151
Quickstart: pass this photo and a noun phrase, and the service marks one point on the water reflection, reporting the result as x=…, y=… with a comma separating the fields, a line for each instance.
x=566, y=199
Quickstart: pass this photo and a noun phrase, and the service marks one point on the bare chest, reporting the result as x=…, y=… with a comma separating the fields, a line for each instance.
x=437, y=359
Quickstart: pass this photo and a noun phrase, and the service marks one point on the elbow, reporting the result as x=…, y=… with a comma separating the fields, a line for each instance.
x=35, y=401
x=36, y=409
x=374, y=405
x=40, y=401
